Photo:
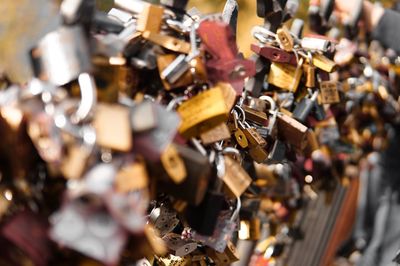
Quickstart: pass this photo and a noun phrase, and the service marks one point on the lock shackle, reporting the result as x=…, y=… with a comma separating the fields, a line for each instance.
x=175, y=102
x=232, y=151
x=242, y=112
x=88, y=100
x=220, y=166
x=236, y=212
x=269, y=99
x=196, y=143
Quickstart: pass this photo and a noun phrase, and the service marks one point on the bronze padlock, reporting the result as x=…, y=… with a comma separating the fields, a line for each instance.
x=291, y=130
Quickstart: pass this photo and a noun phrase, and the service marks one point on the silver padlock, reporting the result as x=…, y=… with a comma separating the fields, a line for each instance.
x=62, y=55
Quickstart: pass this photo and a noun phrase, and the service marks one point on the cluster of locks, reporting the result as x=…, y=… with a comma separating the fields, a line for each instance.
x=146, y=138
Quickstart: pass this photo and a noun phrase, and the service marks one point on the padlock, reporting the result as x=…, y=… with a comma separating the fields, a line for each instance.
x=285, y=39
x=241, y=138
x=292, y=131
x=284, y=76
x=255, y=116
x=329, y=92
x=215, y=134
x=310, y=75
x=69, y=43
x=168, y=42
x=150, y=18
x=235, y=178
x=89, y=230
x=75, y=161
x=113, y=128
x=164, y=219
x=322, y=62
x=225, y=258
x=316, y=44
x=179, y=246
x=229, y=93
x=174, y=260
x=138, y=112
x=258, y=153
x=173, y=164
x=225, y=64
x=151, y=144
x=274, y=54
x=206, y=107
x=131, y=177
x=254, y=138
x=194, y=187
x=304, y=107
x=278, y=151
x=223, y=230
x=174, y=71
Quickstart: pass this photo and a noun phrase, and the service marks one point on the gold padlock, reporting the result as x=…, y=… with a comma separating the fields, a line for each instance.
x=310, y=75
x=241, y=138
x=285, y=39
x=324, y=63
x=173, y=164
x=207, y=107
x=329, y=92
x=236, y=178
x=131, y=177
x=229, y=94
x=150, y=19
x=112, y=126
x=285, y=76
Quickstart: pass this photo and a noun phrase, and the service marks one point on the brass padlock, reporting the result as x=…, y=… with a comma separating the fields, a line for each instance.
x=168, y=42
x=173, y=164
x=285, y=76
x=131, y=177
x=329, y=92
x=206, y=107
x=254, y=138
x=324, y=63
x=229, y=94
x=235, y=178
x=255, y=116
x=150, y=19
x=241, y=138
x=310, y=75
x=285, y=39
x=215, y=134
x=112, y=126
x=258, y=153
